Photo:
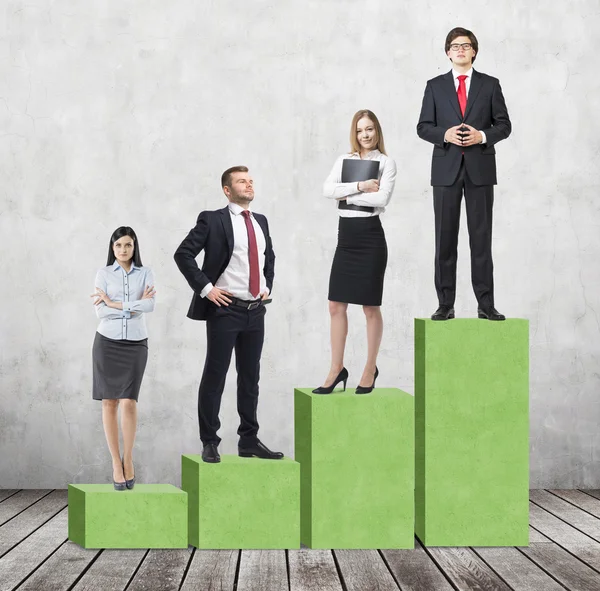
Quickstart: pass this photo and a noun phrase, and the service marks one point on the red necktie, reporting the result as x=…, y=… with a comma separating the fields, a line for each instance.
x=252, y=255
x=462, y=93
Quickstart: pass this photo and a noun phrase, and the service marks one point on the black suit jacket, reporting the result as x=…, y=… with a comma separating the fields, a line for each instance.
x=486, y=111
x=213, y=233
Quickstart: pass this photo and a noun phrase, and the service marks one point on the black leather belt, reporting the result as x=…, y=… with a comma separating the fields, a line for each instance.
x=345, y=205
x=248, y=304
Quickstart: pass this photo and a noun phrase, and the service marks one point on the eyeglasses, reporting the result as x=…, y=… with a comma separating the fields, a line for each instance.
x=457, y=46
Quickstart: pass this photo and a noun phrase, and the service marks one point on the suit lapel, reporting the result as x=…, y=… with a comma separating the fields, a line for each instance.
x=263, y=225
x=451, y=92
x=228, y=227
x=474, y=88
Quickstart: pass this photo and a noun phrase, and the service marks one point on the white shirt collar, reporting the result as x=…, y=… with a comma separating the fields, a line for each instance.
x=370, y=155
x=457, y=74
x=236, y=209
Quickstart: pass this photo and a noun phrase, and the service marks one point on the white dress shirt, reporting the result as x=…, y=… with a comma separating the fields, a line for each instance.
x=335, y=189
x=128, y=288
x=236, y=277
x=469, y=75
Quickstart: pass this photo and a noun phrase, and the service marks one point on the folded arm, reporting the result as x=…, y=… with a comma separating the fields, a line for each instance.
x=333, y=188
x=386, y=187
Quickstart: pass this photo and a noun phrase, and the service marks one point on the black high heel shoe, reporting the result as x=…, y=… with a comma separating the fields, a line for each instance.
x=120, y=485
x=341, y=377
x=366, y=389
x=128, y=483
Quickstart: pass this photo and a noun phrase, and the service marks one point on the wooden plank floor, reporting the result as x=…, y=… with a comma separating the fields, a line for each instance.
x=564, y=553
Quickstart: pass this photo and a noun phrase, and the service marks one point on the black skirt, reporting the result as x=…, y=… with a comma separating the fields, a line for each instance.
x=118, y=367
x=359, y=262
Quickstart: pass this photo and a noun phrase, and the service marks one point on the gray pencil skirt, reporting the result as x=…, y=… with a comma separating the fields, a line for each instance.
x=118, y=367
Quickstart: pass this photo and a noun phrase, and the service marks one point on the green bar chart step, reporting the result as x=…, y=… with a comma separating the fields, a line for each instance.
x=242, y=503
x=356, y=454
x=472, y=432
x=148, y=516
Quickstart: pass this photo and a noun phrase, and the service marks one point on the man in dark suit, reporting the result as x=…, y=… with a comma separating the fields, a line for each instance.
x=464, y=115
x=230, y=293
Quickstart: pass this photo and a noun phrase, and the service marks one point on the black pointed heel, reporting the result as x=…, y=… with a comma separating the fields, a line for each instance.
x=341, y=377
x=366, y=389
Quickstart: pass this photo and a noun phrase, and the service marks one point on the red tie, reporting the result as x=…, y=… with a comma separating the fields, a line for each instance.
x=252, y=255
x=462, y=93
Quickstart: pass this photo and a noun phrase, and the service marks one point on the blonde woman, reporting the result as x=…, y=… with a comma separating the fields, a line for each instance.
x=358, y=268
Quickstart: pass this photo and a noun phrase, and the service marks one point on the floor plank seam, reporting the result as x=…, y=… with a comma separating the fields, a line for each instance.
x=137, y=568
x=236, y=579
x=587, y=493
x=564, y=521
x=187, y=568
x=540, y=566
x=389, y=569
x=566, y=550
x=41, y=564
x=85, y=570
x=339, y=571
x=28, y=507
x=287, y=569
x=437, y=564
x=32, y=532
x=572, y=504
x=10, y=496
x=492, y=568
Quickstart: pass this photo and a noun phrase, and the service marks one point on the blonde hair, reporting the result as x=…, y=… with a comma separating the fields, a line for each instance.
x=354, y=145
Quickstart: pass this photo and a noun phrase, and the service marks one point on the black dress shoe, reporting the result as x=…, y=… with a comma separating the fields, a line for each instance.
x=259, y=450
x=341, y=377
x=443, y=313
x=366, y=389
x=490, y=313
x=210, y=453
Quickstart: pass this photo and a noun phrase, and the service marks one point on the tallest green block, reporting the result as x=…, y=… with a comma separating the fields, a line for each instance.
x=472, y=432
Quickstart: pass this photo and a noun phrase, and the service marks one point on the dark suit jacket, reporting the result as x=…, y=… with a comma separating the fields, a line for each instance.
x=213, y=233
x=486, y=111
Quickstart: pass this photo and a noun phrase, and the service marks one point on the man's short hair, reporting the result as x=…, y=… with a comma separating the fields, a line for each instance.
x=460, y=32
x=226, y=176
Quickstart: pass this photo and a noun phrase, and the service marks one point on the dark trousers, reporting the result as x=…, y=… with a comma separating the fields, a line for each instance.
x=479, y=201
x=228, y=328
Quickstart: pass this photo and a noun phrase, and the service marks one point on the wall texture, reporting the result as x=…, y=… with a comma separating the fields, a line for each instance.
x=126, y=112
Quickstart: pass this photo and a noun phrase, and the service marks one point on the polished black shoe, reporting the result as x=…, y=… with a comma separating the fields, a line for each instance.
x=366, y=389
x=120, y=485
x=128, y=483
x=259, y=450
x=342, y=377
x=210, y=453
x=443, y=313
x=490, y=313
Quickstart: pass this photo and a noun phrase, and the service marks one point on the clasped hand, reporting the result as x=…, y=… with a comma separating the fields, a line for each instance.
x=463, y=138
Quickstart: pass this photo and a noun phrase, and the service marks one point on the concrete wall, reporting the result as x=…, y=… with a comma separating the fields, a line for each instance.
x=116, y=113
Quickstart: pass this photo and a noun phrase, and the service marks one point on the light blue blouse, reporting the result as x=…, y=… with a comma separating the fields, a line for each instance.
x=127, y=288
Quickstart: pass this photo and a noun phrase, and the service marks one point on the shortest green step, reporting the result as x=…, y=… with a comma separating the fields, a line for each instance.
x=148, y=516
x=242, y=503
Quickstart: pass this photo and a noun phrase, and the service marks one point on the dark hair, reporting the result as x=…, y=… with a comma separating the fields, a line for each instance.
x=460, y=32
x=226, y=176
x=119, y=233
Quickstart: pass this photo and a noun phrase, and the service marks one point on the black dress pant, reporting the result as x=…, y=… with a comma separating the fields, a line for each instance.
x=228, y=328
x=479, y=200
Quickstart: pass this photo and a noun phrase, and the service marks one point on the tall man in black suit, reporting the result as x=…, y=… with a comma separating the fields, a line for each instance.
x=229, y=293
x=464, y=115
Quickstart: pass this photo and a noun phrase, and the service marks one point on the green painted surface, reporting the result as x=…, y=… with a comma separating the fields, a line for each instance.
x=246, y=503
x=149, y=516
x=357, y=468
x=472, y=432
